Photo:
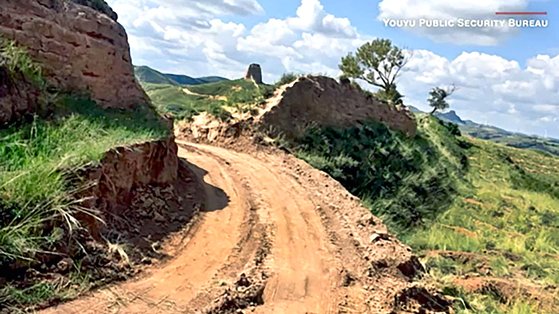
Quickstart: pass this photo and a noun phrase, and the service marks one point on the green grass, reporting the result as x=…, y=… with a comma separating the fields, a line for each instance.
x=174, y=101
x=222, y=88
x=210, y=97
x=17, y=60
x=546, y=145
x=496, y=206
x=35, y=159
x=64, y=289
x=406, y=181
x=287, y=78
x=147, y=75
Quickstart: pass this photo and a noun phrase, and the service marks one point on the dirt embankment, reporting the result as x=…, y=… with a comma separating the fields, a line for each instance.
x=275, y=236
x=322, y=101
x=79, y=48
x=313, y=101
x=127, y=206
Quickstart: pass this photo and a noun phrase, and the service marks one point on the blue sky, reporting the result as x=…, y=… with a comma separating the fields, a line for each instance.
x=507, y=77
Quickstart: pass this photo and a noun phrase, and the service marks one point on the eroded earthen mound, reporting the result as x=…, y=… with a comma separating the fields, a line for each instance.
x=79, y=48
x=314, y=101
x=322, y=101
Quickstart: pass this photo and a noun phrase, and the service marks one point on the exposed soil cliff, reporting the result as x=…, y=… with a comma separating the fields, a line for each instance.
x=18, y=96
x=79, y=48
x=322, y=101
x=123, y=170
x=306, y=102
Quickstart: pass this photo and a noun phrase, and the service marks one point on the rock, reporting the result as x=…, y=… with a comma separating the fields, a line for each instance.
x=254, y=73
x=367, y=220
x=63, y=266
x=159, y=218
x=411, y=268
x=79, y=48
x=378, y=236
x=243, y=281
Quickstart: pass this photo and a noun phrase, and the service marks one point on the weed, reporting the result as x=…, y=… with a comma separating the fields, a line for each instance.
x=287, y=78
x=37, y=201
x=18, y=60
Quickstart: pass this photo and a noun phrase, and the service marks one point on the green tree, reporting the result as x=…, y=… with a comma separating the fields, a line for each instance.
x=378, y=63
x=438, y=96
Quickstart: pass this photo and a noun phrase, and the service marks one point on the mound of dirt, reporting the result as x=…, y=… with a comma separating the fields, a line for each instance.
x=132, y=205
x=322, y=101
x=507, y=290
x=306, y=102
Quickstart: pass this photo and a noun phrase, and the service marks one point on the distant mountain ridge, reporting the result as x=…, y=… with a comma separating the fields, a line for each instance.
x=146, y=74
x=498, y=135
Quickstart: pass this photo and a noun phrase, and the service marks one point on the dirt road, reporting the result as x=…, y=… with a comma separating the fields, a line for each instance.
x=276, y=237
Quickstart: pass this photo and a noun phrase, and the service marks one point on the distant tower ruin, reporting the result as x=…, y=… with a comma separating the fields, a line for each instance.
x=254, y=73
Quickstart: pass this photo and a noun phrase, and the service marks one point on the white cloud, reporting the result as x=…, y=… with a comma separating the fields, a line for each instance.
x=311, y=41
x=490, y=88
x=445, y=10
x=193, y=38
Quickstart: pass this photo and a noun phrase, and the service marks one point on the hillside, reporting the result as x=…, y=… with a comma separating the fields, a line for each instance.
x=70, y=162
x=147, y=75
x=498, y=135
x=495, y=250
x=184, y=102
x=225, y=196
x=489, y=250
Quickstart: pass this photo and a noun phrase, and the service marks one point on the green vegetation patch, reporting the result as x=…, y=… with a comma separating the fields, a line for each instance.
x=37, y=201
x=173, y=100
x=35, y=157
x=186, y=102
x=472, y=208
x=17, y=60
x=406, y=181
x=223, y=88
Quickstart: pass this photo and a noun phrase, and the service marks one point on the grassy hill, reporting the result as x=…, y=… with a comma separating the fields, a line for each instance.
x=498, y=135
x=517, y=140
x=146, y=74
x=484, y=217
x=183, y=102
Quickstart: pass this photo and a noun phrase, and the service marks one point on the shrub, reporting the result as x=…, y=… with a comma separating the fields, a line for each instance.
x=287, y=78
x=17, y=60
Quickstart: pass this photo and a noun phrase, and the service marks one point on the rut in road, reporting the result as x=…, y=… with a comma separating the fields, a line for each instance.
x=298, y=241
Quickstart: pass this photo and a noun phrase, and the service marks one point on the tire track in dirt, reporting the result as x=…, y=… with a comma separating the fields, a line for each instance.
x=304, y=275
x=288, y=239
x=170, y=288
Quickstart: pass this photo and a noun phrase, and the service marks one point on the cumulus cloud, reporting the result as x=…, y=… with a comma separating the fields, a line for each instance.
x=193, y=38
x=445, y=10
x=197, y=41
x=312, y=41
x=490, y=88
